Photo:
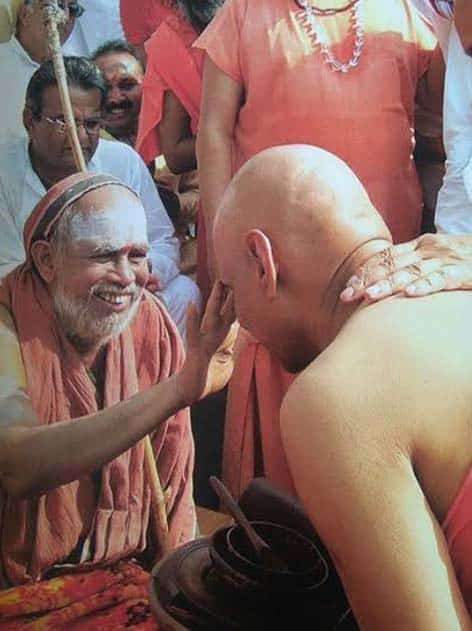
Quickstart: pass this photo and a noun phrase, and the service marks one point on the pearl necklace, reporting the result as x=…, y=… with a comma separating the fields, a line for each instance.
x=317, y=35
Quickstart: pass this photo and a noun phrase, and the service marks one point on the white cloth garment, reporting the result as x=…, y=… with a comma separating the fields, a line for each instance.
x=16, y=69
x=21, y=189
x=99, y=23
x=454, y=205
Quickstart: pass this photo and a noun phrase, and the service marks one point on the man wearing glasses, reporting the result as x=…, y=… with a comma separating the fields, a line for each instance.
x=28, y=169
x=23, y=49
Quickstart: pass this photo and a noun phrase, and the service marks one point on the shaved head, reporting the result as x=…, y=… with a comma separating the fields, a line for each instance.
x=288, y=222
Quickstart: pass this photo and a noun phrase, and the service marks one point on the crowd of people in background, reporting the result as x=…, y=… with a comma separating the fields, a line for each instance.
x=173, y=99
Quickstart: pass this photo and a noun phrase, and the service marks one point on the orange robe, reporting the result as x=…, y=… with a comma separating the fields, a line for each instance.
x=140, y=19
x=457, y=529
x=364, y=116
x=102, y=518
x=173, y=65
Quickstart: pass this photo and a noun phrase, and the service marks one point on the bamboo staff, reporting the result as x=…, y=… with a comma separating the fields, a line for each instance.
x=52, y=16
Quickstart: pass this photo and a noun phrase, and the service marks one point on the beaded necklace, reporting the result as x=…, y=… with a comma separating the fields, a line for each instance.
x=317, y=34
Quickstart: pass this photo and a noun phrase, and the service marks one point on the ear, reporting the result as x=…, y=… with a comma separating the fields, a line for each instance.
x=27, y=118
x=260, y=251
x=42, y=255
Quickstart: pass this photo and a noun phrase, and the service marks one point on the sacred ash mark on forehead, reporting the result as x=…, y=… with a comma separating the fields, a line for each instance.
x=114, y=228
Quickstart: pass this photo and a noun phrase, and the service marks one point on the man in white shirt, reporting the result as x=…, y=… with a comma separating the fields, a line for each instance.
x=100, y=22
x=22, y=54
x=27, y=170
x=454, y=32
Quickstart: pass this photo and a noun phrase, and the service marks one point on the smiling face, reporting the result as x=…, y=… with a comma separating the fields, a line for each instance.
x=50, y=146
x=123, y=75
x=101, y=269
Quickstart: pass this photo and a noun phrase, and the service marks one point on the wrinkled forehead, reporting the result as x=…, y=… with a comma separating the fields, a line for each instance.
x=116, y=226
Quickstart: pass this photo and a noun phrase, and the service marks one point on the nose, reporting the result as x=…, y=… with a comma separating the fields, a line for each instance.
x=114, y=94
x=123, y=272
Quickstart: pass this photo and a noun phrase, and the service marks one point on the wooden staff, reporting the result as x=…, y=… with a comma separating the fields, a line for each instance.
x=52, y=16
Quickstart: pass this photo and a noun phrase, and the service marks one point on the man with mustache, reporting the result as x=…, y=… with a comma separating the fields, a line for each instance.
x=90, y=363
x=376, y=426
x=28, y=169
x=123, y=73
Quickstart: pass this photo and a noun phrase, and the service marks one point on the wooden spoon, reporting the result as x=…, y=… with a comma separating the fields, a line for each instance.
x=263, y=551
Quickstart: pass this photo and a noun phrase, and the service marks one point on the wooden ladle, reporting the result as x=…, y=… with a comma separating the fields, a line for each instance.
x=264, y=552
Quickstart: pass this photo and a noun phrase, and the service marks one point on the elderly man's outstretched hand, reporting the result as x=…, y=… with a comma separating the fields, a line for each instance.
x=209, y=362
x=431, y=263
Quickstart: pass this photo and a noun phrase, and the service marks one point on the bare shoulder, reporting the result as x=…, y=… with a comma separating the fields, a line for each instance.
x=394, y=366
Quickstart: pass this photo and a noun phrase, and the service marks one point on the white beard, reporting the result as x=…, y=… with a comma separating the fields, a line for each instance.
x=79, y=322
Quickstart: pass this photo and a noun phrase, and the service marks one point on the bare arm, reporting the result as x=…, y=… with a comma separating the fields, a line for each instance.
x=221, y=100
x=356, y=480
x=175, y=136
x=35, y=458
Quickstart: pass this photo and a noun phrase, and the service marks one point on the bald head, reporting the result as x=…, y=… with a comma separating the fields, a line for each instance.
x=292, y=214
x=301, y=197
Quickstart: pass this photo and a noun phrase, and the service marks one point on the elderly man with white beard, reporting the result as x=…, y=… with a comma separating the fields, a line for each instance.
x=90, y=363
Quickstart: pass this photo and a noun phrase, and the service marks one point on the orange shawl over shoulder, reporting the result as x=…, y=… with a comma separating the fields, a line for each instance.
x=140, y=19
x=172, y=64
x=107, y=521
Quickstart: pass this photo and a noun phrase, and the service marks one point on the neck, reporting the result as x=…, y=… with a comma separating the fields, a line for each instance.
x=129, y=137
x=335, y=313
x=90, y=352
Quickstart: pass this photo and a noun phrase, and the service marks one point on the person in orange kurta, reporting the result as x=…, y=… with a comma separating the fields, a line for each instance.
x=342, y=75
x=90, y=364
x=171, y=96
x=140, y=20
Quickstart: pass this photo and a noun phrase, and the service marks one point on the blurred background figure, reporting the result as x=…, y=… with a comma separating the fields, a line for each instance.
x=24, y=47
x=101, y=22
x=452, y=23
x=341, y=76
x=171, y=107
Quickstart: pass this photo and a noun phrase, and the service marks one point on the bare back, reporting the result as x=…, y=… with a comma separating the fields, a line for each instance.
x=377, y=432
x=418, y=353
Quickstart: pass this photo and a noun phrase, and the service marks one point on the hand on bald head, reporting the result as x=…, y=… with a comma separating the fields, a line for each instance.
x=306, y=202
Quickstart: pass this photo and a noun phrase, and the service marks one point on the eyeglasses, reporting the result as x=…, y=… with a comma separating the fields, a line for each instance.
x=92, y=126
x=75, y=9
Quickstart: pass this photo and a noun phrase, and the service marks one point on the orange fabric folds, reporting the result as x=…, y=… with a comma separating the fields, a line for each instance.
x=106, y=600
x=140, y=20
x=104, y=517
x=172, y=64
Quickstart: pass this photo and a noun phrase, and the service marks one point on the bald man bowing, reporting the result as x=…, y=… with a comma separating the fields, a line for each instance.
x=377, y=426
